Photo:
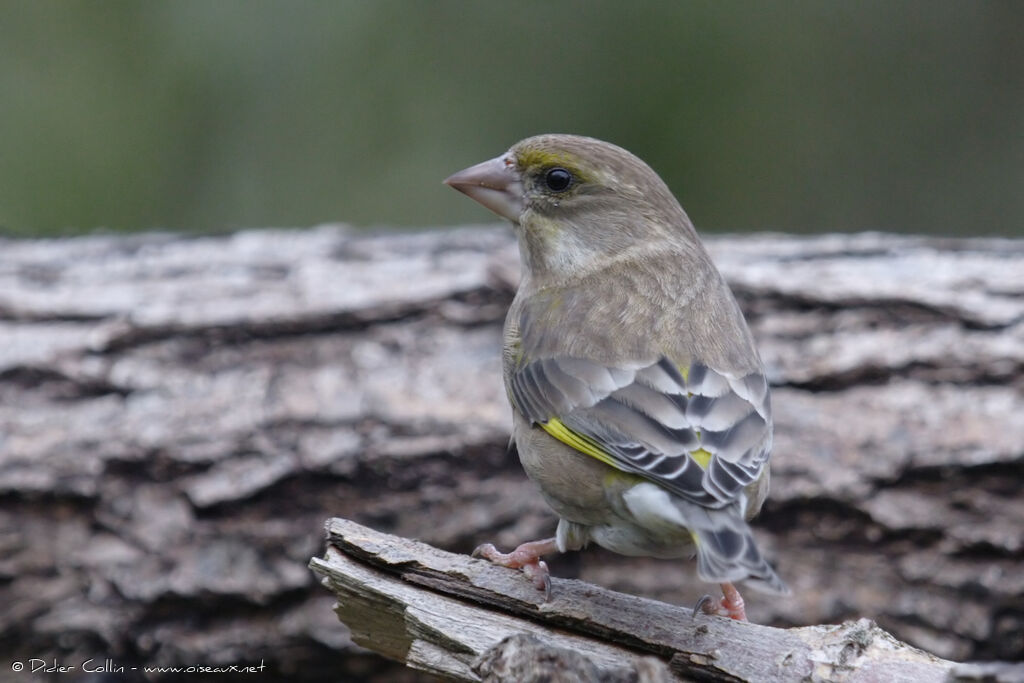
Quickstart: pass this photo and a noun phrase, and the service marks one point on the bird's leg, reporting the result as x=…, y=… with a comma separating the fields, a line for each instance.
x=525, y=557
x=731, y=604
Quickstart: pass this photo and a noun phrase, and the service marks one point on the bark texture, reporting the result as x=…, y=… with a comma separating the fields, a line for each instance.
x=436, y=611
x=178, y=415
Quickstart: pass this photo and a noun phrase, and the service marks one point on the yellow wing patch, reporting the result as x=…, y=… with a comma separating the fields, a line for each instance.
x=583, y=444
x=702, y=457
x=685, y=372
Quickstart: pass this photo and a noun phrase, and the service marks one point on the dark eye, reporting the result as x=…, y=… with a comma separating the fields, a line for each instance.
x=558, y=179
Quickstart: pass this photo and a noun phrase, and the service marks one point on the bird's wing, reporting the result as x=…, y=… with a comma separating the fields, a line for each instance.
x=701, y=433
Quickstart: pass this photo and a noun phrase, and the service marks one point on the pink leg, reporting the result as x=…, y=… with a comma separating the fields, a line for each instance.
x=525, y=557
x=731, y=604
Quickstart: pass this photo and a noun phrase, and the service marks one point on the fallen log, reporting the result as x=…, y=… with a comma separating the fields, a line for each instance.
x=468, y=620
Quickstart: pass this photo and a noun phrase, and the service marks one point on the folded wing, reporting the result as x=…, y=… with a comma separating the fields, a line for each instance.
x=701, y=433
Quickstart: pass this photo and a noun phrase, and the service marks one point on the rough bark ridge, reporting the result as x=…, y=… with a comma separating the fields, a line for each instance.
x=178, y=415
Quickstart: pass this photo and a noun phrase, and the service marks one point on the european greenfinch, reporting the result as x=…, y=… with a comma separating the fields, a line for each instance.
x=640, y=405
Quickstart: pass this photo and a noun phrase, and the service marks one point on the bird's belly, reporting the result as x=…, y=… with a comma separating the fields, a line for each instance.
x=626, y=538
x=571, y=482
x=588, y=497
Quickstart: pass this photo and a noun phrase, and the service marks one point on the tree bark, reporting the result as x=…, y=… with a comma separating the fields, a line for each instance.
x=469, y=620
x=179, y=414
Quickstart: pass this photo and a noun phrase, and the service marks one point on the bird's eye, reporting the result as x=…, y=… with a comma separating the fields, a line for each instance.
x=558, y=179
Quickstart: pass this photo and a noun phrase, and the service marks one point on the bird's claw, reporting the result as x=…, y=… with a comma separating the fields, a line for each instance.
x=526, y=557
x=485, y=550
x=538, y=573
x=730, y=605
x=702, y=606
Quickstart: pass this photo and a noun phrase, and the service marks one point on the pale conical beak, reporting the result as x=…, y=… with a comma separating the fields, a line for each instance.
x=493, y=183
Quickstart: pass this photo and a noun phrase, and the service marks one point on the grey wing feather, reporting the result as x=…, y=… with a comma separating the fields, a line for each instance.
x=727, y=550
x=651, y=419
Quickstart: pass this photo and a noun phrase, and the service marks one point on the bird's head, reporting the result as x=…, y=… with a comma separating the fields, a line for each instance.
x=575, y=201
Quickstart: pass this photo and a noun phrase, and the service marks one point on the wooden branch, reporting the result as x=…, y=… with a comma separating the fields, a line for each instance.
x=469, y=620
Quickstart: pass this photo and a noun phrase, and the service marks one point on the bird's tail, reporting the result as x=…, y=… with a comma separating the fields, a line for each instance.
x=726, y=550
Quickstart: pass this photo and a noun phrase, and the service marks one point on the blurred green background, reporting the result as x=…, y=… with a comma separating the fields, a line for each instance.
x=797, y=116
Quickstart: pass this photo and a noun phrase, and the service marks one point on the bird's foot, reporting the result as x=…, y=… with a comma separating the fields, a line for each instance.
x=525, y=557
x=731, y=604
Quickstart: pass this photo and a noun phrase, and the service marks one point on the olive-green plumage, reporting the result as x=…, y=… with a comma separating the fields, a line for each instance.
x=640, y=404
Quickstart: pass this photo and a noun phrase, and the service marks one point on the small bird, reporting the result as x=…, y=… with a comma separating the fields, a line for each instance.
x=640, y=405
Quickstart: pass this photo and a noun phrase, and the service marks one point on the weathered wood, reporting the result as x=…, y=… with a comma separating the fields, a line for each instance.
x=179, y=414
x=435, y=611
